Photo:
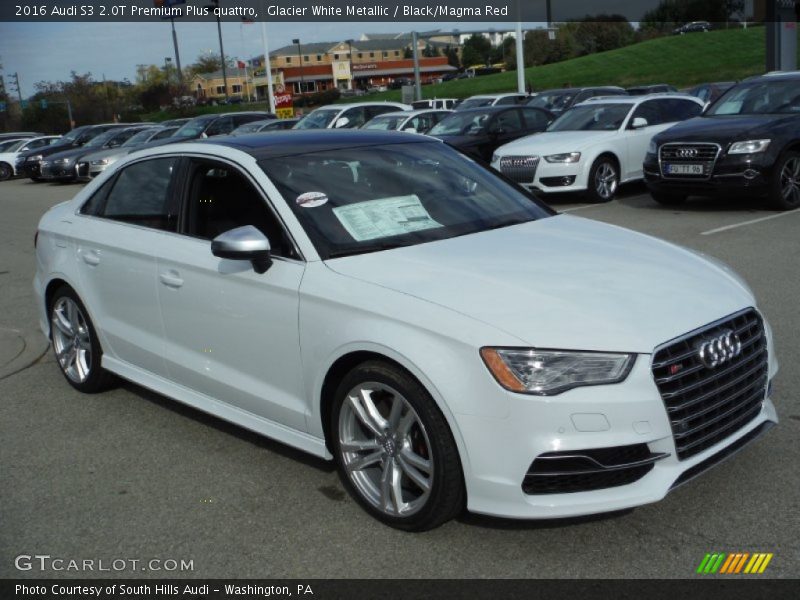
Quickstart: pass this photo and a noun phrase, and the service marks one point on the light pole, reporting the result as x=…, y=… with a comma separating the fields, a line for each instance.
x=167, y=60
x=300, y=60
x=350, y=48
x=221, y=49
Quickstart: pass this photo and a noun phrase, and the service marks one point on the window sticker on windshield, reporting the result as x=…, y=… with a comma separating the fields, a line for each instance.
x=311, y=199
x=384, y=217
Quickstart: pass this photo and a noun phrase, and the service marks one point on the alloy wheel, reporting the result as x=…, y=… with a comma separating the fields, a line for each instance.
x=790, y=182
x=71, y=340
x=385, y=449
x=605, y=180
x=5, y=172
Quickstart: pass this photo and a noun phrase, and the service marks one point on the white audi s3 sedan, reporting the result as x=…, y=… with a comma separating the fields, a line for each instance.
x=380, y=300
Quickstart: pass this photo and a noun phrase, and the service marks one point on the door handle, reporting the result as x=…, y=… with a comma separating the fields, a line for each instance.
x=171, y=279
x=91, y=258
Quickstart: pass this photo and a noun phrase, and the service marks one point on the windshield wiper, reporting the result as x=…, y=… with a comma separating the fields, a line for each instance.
x=365, y=249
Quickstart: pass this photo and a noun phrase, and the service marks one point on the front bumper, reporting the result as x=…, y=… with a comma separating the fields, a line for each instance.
x=29, y=169
x=88, y=171
x=58, y=171
x=501, y=451
x=731, y=175
x=552, y=178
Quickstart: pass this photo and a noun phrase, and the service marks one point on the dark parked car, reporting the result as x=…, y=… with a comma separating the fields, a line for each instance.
x=29, y=163
x=657, y=88
x=219, y=124
x=478, y=132
x=693, y=27
x=18, y=135
x=62, y=166
x=252, y=127
x=747, y=142
x=709, y=92
x=559, y=100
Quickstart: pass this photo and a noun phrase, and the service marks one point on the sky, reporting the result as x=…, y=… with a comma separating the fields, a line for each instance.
x=50, y=51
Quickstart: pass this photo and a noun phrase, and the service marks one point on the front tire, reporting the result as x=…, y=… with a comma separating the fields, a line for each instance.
x=6, y=172
x=75, y=344
x=394, y=449
x=785, y=192
x=603, y=180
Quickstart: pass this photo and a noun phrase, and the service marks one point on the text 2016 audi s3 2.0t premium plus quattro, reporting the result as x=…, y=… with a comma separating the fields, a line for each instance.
x=379, y=299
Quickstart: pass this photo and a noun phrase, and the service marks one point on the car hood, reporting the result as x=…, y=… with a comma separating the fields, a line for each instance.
x=554, y=142
x=49, y=150
x=562, y=282
x=460, y=141
x=116, y=152
x=71, y=153
x=725, y=129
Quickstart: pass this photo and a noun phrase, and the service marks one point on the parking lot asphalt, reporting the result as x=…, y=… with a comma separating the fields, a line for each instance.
x=129, y=474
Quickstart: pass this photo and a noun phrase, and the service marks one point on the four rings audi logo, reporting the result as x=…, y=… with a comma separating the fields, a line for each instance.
x=686, y=152
x=720, y=349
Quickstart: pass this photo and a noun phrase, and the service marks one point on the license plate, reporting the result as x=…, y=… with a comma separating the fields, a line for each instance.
x=685, y=169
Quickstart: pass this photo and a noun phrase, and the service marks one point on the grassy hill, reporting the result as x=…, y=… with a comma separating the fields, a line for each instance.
x=723, y=55
x=679, y=60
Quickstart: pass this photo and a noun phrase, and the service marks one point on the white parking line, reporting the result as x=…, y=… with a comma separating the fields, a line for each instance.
x=750, y=222
x=584, y=206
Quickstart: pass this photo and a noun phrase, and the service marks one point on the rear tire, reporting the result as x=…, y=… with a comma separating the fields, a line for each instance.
x=603, y=180
x=75, y=344
x=785, y=190
x=6, y=171
x=668, y=198
x=394, y=449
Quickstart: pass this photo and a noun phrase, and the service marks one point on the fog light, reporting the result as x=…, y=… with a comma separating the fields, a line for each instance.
x=751, y=174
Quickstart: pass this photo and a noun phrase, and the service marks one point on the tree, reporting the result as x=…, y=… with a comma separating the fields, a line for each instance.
x=430, y=51
x=452, y=57
x=477, y=51
x=505, y=53
x=208, y=63
x=407, y=52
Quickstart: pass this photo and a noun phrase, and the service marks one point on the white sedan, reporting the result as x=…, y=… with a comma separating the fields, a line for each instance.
x=595, y=146
x=378, y=299
x=10, y=153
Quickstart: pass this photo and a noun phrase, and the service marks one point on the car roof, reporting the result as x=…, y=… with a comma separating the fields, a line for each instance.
x=413, y=113
x=493, y=96
x=638, y=99
x=357, y=104
x=493, y=109
x=301, y=141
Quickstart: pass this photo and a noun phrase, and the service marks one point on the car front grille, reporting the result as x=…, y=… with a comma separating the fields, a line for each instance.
x=703, y=154
x=83, y=169
x=571, y=471
x=521, y=169
x=706, y=404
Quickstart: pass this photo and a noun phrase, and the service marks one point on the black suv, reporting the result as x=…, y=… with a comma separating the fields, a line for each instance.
x=747, y=142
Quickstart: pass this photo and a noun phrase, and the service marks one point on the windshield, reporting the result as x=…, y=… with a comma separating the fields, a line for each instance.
x=101, y=139
x=761, y=98
x=385, y=123
x=164, y=133
x=592, y=117
x=475, y=103
x=139, y=138
x=249, y=127
x=554, y=102
x=13, y=145
x=74, y=134
x=193, y=128
x=461, y=123
x=356, y=200
x=318, y=119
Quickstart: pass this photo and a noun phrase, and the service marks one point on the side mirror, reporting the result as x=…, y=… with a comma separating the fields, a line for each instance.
x=639, y=123
x=342, y=122
x=244, y=243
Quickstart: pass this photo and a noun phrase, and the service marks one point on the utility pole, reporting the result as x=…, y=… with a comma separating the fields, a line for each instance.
x=267, y=67
x=17, y=86
x=177, y=53
x=221, y=49
x=415, y=54
x=300, y=61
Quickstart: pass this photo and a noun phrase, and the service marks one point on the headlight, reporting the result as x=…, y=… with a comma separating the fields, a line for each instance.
x=749, y=147
x=550, y=372
x=35, y=158
x=652, y=148
x=62, y=161
x=495, y=158
x=102, y=161
x=568, y=157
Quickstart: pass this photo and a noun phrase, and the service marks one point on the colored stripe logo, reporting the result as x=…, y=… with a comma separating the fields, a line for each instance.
x=734, y=563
